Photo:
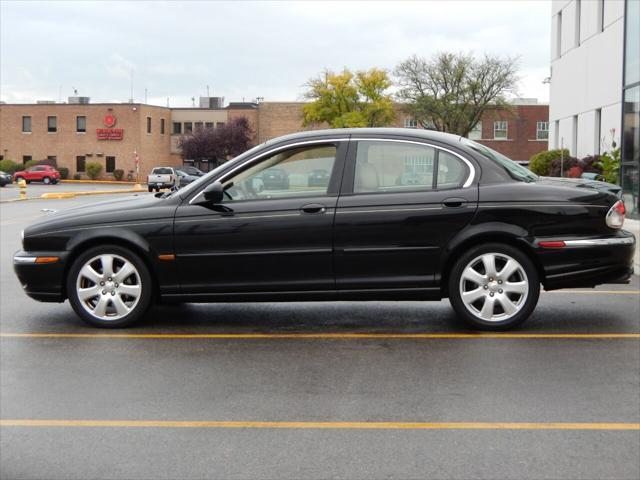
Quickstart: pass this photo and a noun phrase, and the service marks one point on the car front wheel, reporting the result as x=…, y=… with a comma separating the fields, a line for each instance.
x=46, y=180
x=494, y=287
x=109, y=286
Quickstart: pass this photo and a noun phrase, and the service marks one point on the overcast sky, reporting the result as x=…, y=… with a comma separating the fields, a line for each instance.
x=245, y=49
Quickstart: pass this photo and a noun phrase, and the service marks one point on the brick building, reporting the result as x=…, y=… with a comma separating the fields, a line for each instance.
x=74, y=134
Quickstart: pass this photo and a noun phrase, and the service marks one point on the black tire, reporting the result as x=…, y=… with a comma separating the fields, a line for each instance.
x=138, y=310
x=474, y=320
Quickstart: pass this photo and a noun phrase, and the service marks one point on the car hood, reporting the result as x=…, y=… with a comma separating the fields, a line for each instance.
x=130, y=208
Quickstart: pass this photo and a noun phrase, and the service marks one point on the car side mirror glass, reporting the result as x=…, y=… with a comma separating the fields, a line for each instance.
x=214, y=193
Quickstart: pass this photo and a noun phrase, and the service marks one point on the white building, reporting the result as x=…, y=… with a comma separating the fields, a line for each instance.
x=595, y=76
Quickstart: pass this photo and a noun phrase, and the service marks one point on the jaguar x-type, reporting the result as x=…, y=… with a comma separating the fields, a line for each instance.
x=402, y=214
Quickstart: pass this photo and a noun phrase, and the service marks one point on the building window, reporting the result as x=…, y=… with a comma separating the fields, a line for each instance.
x=219, y=124
x=52, y=124
x=577, y=30
x=500, y=130
x=574, y=136
x=208, y=125
x=162, y=126
x=110, y=164
x=148, y=125
x=600, y=15
x=410, y=123
x=26, y=124
x=598, y=131
x=476, y=132
x=26, y=158
x=188, y=127
x=177, y=128
x=81, y=124
x=559, y=35
x=197, y=126
x=52, y=160
x=542, y=130
x=80, y=161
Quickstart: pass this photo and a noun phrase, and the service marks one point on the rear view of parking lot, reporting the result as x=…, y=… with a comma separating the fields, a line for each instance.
x=316, y=390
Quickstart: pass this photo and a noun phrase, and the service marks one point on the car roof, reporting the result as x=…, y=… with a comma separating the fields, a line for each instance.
x=390, y=131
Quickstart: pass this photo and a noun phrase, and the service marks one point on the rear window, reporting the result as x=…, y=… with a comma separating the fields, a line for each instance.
x=162, y=171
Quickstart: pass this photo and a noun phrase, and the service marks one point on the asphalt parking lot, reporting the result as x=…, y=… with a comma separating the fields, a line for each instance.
x=334, y=390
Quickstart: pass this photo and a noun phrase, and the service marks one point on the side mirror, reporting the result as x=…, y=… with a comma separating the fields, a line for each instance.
x=214, y=193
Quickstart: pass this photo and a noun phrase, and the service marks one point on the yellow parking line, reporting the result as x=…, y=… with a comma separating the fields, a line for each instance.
x=324, y=425
x=312, y=336
x=598, y=292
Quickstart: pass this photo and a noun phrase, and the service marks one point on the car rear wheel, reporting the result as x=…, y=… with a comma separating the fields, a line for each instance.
x=494, y=287
x=109, y=286
x=46, y=180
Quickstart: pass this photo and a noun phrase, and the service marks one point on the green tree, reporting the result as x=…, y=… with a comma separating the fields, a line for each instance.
x=94, y=169
x=349, y=100
x=451, y=91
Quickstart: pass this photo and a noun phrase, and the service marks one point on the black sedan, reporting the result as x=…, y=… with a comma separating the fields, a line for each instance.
x=476, y=228
x=5, y=179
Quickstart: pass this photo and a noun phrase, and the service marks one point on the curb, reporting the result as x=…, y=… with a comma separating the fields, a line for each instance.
x=61, y=195
x=108, y=182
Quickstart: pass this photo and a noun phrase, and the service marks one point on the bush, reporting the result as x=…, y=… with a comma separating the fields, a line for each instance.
x=610, y=164
x=590, y=164
x=118, y=174
x=94, y=170
x=9, y=166
x=31, y=163
x=77, y=176
x=540, y=163
x=64, y=173
x=567, y=164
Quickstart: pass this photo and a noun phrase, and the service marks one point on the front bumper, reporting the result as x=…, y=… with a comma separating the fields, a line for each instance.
x=41, y=281
x=587, y=261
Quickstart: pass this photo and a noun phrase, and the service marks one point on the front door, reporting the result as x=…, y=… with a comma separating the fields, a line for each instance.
x=401, y=203
x=273, y=231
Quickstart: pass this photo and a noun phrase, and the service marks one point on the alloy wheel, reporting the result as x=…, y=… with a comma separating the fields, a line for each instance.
x=494, y=287
x=109, y=287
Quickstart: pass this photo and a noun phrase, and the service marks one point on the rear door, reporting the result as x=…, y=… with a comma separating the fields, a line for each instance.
x=401, y=203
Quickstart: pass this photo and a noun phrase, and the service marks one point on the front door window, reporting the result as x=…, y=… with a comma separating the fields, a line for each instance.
x=298, y=172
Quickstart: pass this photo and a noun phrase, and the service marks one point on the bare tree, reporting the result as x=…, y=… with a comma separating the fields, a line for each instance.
x=450, y=91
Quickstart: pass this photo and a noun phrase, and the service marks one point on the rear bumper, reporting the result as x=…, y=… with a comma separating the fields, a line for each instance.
x=41, y=281
x=588, y=261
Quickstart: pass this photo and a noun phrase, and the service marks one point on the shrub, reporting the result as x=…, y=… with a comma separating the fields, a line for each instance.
x=610, y=164
x=118, y=174
x=540, y=163
x=31, y=163
x=575, y=172
x=94, y=170
x=590, y=164
x=77, y=176
x=567, y=164
x=64, y=173
x=9, y=166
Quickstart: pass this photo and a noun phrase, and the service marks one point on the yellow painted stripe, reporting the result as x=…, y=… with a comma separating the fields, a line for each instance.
x=311, y=336
x=324, y=425
x=598, y=292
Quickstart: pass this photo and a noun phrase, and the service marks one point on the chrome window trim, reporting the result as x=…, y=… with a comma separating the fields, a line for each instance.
x=466, y=184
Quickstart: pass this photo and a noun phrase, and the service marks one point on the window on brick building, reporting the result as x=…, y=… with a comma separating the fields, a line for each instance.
x=410, y=123
x=476, y=132
x=26, y=158
x=188, y=127
x=52, y=159
x=110, y=164
x=26, y=124
x=198, y=126
x=81, y=124
x=208, y=125
x=219, y=124
x=148, y=124
x=500, y=130
x=177, y=128
x=542, y=130
x=162, y=126
x=80, y=162
x=52, y=124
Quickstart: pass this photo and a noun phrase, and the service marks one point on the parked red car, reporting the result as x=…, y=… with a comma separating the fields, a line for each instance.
x=40, y=173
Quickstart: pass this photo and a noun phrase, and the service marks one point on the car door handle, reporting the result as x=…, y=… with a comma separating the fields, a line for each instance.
x=454, y=202
x=313, y=208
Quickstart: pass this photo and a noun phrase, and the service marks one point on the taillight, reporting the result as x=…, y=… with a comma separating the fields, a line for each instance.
x=615, y=215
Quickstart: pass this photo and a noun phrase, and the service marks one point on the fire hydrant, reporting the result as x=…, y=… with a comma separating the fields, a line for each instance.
x=22, y=185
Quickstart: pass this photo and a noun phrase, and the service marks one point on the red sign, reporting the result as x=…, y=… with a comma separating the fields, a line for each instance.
x=109, y=121
x=110, y=133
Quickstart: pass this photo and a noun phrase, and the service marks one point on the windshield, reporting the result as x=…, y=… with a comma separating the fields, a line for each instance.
x=197, y=184
x=516, y=171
